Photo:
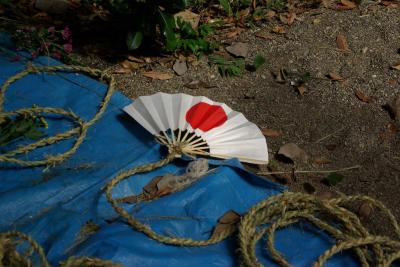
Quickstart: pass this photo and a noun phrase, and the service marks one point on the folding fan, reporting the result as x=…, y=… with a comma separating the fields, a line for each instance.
x=200, y=126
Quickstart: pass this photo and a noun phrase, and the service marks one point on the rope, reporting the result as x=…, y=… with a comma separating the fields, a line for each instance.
x=9, y=255
x=79, y=131
x=279, y=211
x=263, y=219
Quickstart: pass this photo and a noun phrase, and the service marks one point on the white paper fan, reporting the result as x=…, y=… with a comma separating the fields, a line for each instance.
x=200, y=126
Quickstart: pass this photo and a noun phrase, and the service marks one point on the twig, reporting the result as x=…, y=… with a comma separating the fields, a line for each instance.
x=316, y=171
x=329, y=135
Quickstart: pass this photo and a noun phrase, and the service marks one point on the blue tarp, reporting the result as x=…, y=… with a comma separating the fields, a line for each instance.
x=52, y=206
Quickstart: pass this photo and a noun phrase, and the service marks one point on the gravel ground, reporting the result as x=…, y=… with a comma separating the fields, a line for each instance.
x=329, y=120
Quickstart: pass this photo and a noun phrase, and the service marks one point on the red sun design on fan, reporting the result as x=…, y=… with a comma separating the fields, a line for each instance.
x=205, y=117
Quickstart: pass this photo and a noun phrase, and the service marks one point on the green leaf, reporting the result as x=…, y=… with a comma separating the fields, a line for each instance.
x=167, y=23
x=259, y=60
x=34, y=134
x=226, y=6
x=134, y=40
x=334, y=178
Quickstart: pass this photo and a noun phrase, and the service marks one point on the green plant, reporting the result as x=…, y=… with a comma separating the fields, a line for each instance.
x=39, y=40
x=277, y=5
x=23, y=126
x=189, y=39
x=145, y=18
x=259, y=60
x=227, y=67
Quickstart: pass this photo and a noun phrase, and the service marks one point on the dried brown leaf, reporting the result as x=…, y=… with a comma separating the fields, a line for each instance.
x=325, y=195
x=222, y=228
x=342, y=43
x=288, y=18
x=130, y=65
x=365, y=210
x=322, y=161
x=335, y=77
x=270, y=14
x=301, y=89
x=122, y=71
x=279, y=30
x=396, y=67
x=271, y=132
x=157, y=75
x=135, y=59
x=234, y=33
x=230, y=217
x=347, y=4
x=363, y=97
x=293, y=152
x=264, y=35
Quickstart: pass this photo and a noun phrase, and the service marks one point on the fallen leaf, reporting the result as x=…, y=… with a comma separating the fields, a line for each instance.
x=271, y=132
x=347, y=4
x=333, y=179
x=270, y=14
x=238, y=49
x=180, y=67
x=222, y=228
x=135, y=59
x=151, y=187
x=157, y=75
x=230, y=217
x=301, y=89
x=293, y=152
x=227, y=222
x=342, y=44
x=309, y=188
x=365, y=210
x=394, y=108
x=288, y=18
x=234, y=33
x=322, y=161
x=316, y=21
x=335, y=77
x=190, y=17
x=122, y=71
x=393, y=82
x=279, y=30
x=363, y=97
x=132, y=66
x=264, y=35
x=396, y=67
x=324, y=195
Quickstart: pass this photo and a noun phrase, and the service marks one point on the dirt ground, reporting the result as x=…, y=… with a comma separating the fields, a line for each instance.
x=329, y=121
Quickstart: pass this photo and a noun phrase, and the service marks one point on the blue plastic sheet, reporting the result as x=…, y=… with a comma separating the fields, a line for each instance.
x=52, y=206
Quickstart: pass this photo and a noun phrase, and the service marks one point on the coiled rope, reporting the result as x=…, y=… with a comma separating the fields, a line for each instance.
x=263, y=219
x=79, y=132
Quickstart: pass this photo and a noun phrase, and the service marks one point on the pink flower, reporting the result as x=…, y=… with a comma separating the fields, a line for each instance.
x=66, y=33
x=68, y=48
